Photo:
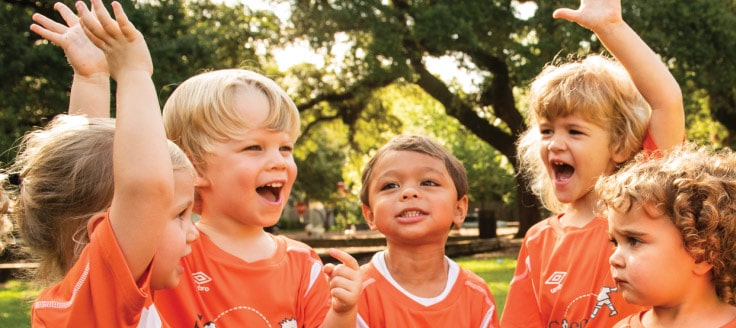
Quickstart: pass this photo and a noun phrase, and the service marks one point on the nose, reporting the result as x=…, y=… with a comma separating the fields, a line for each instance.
x=192, y=232
x=409, y=193
x=616, y=260
x=555, y=145
x=277, y=160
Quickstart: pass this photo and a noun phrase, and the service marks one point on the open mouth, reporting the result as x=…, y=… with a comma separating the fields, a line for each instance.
x=271, y=191
x=562, y=171
x=411, y=214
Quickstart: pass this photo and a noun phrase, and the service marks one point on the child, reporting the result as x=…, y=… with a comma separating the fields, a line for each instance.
x=239, y=129
x=673, y=221
x=586, y=118
x=89, y=186
x=412, y=283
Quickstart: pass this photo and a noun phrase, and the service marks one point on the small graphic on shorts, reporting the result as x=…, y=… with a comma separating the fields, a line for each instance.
x=556, y=278
x=201, y=278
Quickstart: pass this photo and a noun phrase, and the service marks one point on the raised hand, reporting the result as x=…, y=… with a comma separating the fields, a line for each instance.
x=595, y=15
x=122, y=43
x=85, y=58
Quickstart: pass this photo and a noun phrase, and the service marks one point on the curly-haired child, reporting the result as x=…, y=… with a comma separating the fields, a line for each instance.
x=673, y=221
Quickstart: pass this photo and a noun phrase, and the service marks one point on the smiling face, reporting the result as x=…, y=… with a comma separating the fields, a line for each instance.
x=248, y=178
x=575, y=152
x=650, y=264
x=178, y=235
x=413, y=198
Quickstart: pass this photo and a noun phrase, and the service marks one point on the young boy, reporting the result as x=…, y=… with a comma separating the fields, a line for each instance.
x=413, y=191
x=673, y=221
x=239, y=128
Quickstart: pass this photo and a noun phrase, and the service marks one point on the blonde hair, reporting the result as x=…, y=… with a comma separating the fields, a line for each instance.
x=422, y=145
x=66, y=177
x=200, y=111
x=596, y=88
x=696, y=189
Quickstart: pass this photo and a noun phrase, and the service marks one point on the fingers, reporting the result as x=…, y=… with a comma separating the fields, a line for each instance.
x=345, y=258
x=67, y=14
x=89, y=23
x=565, y=13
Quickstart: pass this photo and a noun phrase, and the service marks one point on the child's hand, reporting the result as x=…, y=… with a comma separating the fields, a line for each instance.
x=86, y=59
x=593, y=14
x=345, y=281
x=122, y=43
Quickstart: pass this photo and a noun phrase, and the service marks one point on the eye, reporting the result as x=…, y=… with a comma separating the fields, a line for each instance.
x=389, y=185
x=252, y=148
x=633, y=241
x=286, y=149
x=430, y=183
x=573, y=131
x=613, y=241
x=545, y=131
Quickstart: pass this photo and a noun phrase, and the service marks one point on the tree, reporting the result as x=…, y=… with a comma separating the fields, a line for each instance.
x=184, y=38
x=391, y=41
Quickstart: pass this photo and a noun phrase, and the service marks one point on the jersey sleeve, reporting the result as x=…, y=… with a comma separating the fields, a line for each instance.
x=521, y=309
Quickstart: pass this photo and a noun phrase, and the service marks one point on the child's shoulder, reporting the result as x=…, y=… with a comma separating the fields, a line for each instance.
x=291, y=242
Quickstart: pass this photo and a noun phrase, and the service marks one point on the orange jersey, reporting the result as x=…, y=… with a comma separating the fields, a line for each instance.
x=563, y=279
x=465, y=302
x=287, y=289
x=98, y=291
x=634, y=321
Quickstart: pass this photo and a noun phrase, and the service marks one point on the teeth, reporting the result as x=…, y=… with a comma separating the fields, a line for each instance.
x=274, y=185
x=411, y=213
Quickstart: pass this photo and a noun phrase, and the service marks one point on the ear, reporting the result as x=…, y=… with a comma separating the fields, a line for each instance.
x=94, y=221
x=368, y=215
x=201, y=180
x=619, y=157
x=702, y=268
x=461, y=210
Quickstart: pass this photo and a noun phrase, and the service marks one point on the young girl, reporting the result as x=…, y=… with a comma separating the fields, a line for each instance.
x=586, y=118
x=673, y=221
x=98, y=198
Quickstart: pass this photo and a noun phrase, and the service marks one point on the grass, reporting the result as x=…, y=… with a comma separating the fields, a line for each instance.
x=16, y=296
x=15, y=303
x=496, y=271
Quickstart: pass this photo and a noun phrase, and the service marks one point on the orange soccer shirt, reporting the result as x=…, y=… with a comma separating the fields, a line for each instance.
x=563, y=279
x=218, y=289
x=465, y=302
x=98, y=291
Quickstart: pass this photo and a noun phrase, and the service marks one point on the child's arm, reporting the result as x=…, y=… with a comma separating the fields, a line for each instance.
x=651, y=76
x=90, y=93
x=345, y=284
x=143, y=173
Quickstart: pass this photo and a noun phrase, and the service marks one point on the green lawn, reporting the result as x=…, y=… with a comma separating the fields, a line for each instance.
x=15, y=303
x=16, y=296
x=497, y=272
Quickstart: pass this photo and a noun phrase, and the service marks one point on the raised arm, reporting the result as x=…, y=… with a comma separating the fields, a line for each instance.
x=90, y=93
x=650, y=75
x=143, y=173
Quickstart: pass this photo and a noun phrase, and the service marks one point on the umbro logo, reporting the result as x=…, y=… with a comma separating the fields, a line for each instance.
x=201, y=278
x=556, y=278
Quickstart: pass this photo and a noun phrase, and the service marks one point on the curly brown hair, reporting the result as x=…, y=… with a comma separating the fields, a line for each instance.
x=693, y=186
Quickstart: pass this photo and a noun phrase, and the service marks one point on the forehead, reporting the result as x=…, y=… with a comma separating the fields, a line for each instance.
x=407, y=160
